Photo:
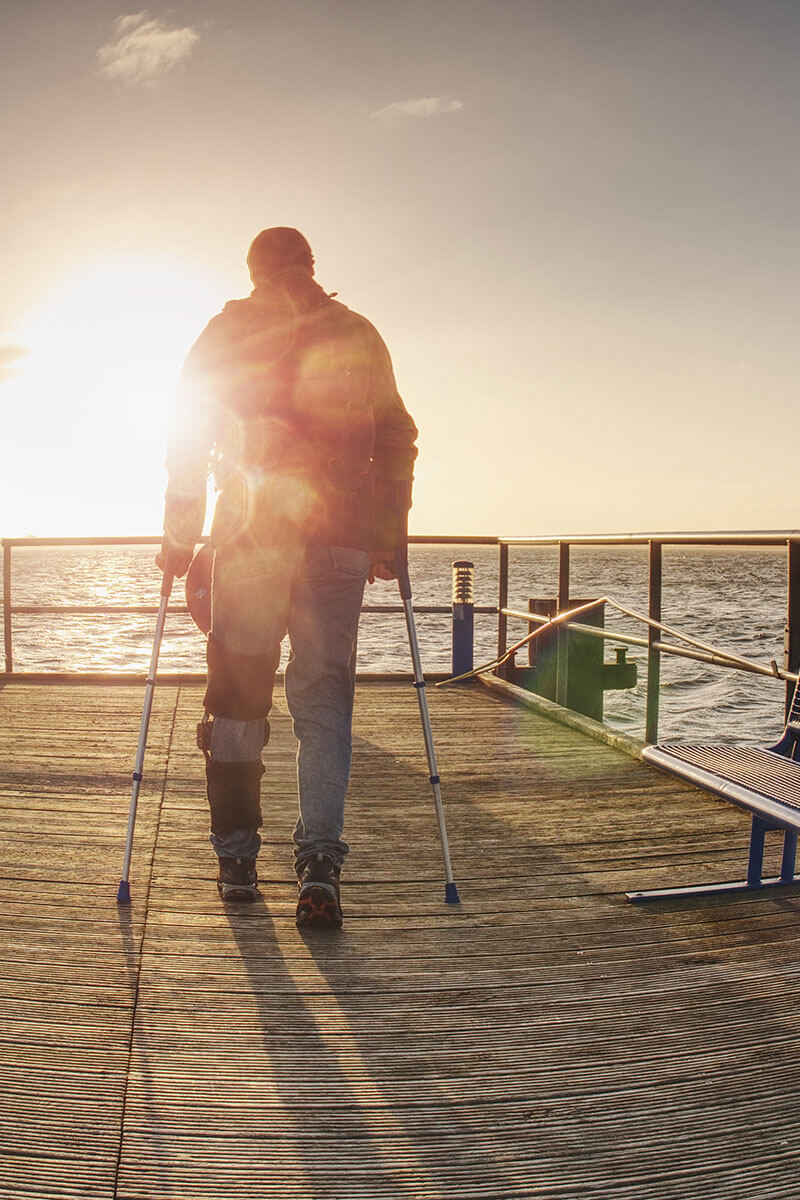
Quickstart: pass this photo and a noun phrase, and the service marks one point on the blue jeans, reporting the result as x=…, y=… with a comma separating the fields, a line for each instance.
x=313, y=593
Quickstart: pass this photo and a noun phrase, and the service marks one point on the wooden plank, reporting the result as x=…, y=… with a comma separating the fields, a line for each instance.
x=541, y=1039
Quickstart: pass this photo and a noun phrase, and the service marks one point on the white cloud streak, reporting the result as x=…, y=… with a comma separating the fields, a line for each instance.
x=427, y=106
x=144, y=49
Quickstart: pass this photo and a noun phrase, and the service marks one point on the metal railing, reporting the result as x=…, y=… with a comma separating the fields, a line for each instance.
x=11, y=610
x=652, y=641
x=655, y=544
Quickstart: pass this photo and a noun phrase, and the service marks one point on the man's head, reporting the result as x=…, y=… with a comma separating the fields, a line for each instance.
x=274, y=250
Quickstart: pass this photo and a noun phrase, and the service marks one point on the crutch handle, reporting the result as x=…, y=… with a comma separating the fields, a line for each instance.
x=403, y=578
x=171, y=570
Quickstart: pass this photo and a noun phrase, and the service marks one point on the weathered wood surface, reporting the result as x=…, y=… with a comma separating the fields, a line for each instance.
x=542, y=1039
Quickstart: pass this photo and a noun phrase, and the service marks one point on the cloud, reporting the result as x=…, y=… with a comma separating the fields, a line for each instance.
x=9, y=353
x=427, y=106
x=143, y=49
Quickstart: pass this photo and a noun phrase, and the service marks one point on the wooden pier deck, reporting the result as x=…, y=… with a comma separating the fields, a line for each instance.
x=542, y=1039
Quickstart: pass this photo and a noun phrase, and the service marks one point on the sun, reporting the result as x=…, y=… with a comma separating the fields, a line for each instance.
x=91, y=403
x=110, y=340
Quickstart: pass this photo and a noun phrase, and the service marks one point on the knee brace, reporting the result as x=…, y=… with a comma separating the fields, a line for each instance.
x=234, y=795
x=232, y=741
x=239, y=685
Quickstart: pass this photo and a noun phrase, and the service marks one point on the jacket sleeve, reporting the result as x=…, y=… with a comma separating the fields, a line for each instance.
x=190, y=442
x=394, y=454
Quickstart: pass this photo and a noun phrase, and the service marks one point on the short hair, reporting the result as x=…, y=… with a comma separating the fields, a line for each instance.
x=273, y=250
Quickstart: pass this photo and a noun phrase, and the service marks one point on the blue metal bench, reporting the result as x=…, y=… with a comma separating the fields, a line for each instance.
x=765, y=782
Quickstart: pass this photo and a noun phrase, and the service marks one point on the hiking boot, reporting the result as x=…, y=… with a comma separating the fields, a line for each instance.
x=318, y=902
x=237, y=880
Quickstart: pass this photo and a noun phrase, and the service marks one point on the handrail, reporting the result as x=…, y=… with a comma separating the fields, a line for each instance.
x=630, y=639
x=774, y=537
x=182, y=609
x=421, y=539
x=11, y=610
x=653, y=542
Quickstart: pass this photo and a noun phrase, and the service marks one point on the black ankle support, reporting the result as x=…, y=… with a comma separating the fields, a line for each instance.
x=234, y=795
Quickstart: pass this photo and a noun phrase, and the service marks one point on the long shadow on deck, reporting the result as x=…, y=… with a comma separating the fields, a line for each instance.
x=342, y=1135
x=544, y=1039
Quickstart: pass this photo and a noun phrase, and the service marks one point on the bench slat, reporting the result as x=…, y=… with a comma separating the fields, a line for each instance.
x=755, y=779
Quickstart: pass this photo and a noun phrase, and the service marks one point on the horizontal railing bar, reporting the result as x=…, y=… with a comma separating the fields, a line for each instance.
x=449, y=539
x=94, y=609
x=418, y=539
x=715, y=660
x=147, y=610
x=766, y=538
x=442, y=609
x=81, y=541
x=630, y=639
x=127, y=678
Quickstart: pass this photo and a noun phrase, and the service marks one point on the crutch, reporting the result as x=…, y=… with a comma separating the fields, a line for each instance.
x=404, y=585
x=124, y=892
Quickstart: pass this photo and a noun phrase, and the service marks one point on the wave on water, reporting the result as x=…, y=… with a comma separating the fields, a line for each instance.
x=734, y=600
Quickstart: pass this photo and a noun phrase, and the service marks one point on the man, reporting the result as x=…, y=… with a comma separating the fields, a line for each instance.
x=291, y=398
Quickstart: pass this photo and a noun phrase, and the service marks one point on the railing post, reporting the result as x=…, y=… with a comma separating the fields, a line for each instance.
x=9, y=661
x=502, y=602
x=653, y=635
x=791, y=633
x=562, y=633
x=463, y=616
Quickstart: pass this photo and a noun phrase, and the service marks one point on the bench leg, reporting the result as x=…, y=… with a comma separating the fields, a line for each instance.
x=755, y=866
x=789, y=856
x=755, y=858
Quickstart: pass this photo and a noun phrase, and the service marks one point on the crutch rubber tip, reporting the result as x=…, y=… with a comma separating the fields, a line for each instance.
x=124, y=893
x=451, y=894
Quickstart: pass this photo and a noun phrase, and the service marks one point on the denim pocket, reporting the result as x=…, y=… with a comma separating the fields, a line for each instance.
x=349, y=561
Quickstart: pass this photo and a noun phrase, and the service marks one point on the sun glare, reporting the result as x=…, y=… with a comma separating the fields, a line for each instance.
x=103, y=353
x=111, y=340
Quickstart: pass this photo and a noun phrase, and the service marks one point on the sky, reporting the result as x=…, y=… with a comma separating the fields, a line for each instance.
x=576, y=224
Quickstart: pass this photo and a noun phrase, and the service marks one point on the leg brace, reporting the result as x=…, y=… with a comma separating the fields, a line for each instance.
x=234, y=795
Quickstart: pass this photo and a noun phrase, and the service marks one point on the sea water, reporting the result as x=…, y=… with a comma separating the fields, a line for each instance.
x=731, y=598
